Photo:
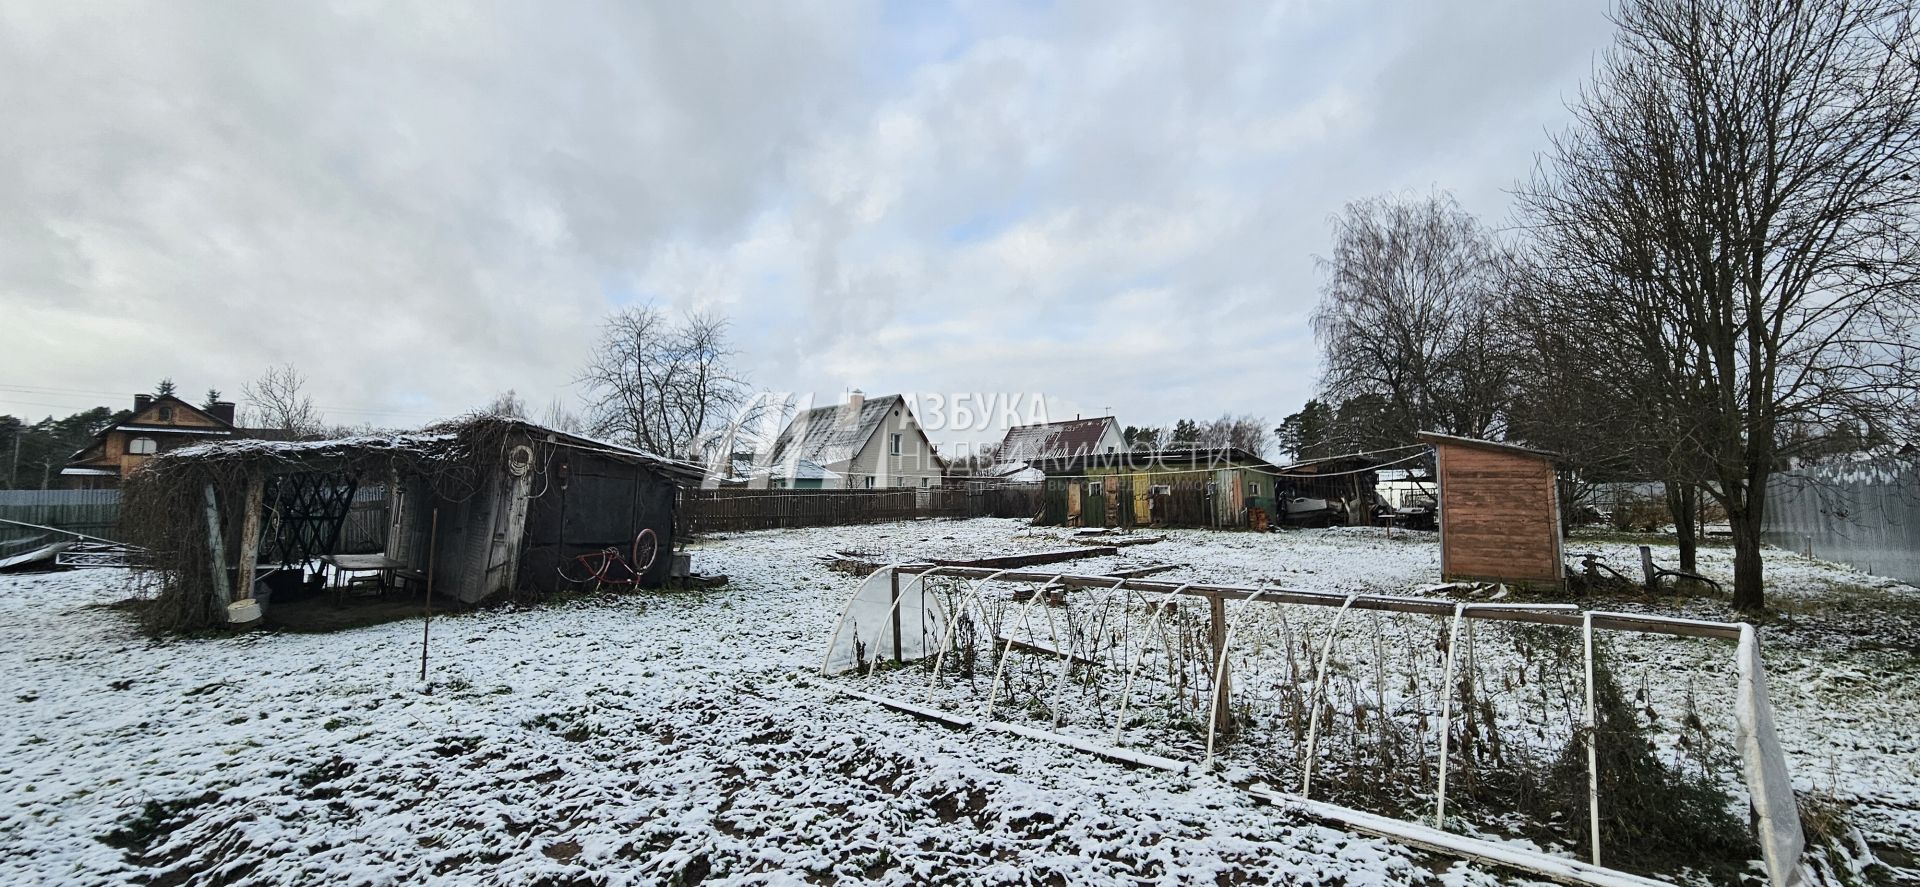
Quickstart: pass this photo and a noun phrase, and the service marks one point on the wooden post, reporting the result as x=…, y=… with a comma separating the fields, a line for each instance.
x=1647, y=574
x=250, y=537
x=893, y=578
x=426, y=625
x=518, y=492
x=1217, y=638
x=217, y=548
x=395, y=544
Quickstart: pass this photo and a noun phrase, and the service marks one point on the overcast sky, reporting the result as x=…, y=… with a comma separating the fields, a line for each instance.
x=1113, y=205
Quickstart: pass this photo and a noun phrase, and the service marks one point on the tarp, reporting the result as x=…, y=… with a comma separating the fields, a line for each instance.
x=1765, y=768
x=871, y=622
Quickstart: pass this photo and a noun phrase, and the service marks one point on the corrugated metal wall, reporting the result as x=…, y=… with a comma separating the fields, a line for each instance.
x=1863, y=514
x=93, y=512
x=97, y=513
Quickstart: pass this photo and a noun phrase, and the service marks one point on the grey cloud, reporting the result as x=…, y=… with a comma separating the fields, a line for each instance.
x=1116, y=203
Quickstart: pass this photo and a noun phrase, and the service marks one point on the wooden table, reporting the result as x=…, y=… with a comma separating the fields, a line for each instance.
x=385, y=567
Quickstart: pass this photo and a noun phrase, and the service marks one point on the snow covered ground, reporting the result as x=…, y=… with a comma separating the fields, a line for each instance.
x=676, y=737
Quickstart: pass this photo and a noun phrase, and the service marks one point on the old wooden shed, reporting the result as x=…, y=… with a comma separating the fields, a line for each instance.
x=489, y=505
x=1499, y=513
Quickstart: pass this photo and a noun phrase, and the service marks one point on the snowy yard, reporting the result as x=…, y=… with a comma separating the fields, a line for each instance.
x=678, y=737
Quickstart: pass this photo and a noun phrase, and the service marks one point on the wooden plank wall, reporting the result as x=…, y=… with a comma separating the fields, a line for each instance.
x=1499, y=520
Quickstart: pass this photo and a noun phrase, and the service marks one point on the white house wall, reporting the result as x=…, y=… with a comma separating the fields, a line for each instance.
x=914, y=467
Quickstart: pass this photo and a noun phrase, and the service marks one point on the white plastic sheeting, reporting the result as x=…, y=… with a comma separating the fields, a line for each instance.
x=873, y=620
x=1765, y=767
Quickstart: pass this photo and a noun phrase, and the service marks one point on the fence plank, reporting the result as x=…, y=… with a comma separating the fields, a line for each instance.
x=734, y=509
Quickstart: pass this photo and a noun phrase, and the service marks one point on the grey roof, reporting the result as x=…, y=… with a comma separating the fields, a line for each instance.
x=832, y=433
x=1053, y=440
x=805, y=469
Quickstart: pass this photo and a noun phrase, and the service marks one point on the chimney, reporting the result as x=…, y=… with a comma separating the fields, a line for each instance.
x=222, y=410
x=142, y=401
x=855, y=400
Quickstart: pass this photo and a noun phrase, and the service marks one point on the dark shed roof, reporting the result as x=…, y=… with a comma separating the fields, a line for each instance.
x=1052, y=440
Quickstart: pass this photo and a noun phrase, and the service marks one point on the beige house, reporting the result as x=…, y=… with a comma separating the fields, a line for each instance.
x=865, y=443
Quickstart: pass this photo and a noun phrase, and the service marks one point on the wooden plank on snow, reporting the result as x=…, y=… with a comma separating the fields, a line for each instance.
x=1030, y=559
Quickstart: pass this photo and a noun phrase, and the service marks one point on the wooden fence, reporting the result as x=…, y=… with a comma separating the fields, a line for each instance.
x=734, y=509
x=364, y=530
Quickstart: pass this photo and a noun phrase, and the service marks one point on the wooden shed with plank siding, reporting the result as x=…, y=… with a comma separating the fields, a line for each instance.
x=1499, y=513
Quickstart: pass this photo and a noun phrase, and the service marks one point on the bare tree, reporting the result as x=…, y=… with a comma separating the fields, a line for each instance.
x=278, y=400
x=559, y=418
x=507, y=403
x=1577, y=395
x=1248, y=433
x=664, y=386
x=1407, y=320
x=1740, y=192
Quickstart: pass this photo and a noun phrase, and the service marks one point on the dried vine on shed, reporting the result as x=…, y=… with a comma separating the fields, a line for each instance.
x=164, y=504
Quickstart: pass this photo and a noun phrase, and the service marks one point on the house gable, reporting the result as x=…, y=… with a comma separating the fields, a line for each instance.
x=170, y=413
x=916, y=465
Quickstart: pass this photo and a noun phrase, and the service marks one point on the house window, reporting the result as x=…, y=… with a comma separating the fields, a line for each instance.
x=166, y=414
x=924, y=481
x=896, y=443
x=1159, y=489
x=1094, y=488
x=869, y=482
x=1253, y=488
x=142, y=446
x=1210, y=486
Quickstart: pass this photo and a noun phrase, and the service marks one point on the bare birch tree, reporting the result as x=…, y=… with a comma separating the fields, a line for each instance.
x=1408, y=320
x=662, y=385
x=1740, y=188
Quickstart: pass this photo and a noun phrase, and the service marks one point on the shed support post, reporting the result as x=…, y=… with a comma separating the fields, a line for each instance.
x=217, y=548
x=395, y=546
x=518, y=493
x=250, y=537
